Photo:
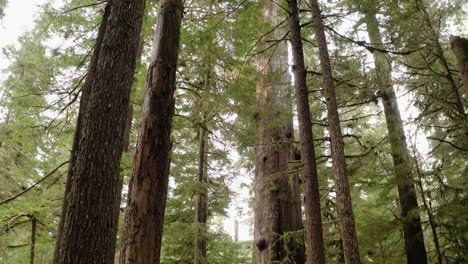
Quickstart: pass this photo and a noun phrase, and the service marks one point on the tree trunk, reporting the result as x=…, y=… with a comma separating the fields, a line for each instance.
x=201, y=203
x=201, y=207
x=414, y=240
x=33, y=238
x=345, y=210
x=87, y=233
x=460, y=49
x=85, y=92
x=277, y=196
x=314, y=232
x=148, y=187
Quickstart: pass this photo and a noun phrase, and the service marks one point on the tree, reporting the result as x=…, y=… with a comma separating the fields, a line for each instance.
x=314, y=232
x=277, y=206
x=414, y=240
x=148, y=187
x=345, y=210
x=91, y=196
x=201, y=206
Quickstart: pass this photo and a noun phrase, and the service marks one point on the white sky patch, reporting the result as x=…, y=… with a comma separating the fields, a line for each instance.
x=19, y=18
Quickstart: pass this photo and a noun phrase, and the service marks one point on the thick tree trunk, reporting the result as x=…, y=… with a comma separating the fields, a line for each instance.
x=314, y=232
x=414, y=240
x=345, y=210
x=148, y=187
x=87, y=234
x=277, y=195
x=85, y=92
x=460, y=49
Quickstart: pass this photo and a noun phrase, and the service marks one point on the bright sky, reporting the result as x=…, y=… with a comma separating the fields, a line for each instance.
x=19, y=16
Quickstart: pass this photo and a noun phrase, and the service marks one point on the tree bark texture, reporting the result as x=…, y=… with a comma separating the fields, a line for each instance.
x=85, y=92
x=314, y=232
x=414, y=240
x=345, y=210
x=277, y=196
x=460, y=49
x=148, y=187
x=88, y=232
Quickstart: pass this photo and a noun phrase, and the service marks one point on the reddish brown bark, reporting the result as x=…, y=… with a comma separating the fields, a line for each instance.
x=87, y=234
x=314, y=232
x=345, y=209
x=148, y=187
x=277, y=195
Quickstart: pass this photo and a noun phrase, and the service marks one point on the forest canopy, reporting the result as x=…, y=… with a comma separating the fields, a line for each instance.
x=230, y=131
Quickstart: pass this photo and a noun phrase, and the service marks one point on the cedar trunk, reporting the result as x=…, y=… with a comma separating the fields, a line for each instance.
x=88, y=231
x=277, y=195
x=345, y=210
x=148, y=187
x=314, y=232
x=414, y=240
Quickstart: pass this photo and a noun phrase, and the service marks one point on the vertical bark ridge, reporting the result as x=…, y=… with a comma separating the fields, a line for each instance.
x=148, y=187
x=87, y=234
x=277, y=195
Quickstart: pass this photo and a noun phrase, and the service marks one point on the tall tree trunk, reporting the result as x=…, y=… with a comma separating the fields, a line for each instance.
x=345, y=210
x=277, y=196
x=88, y=232
x=460, y=49
x=414, y=240
x=148, y=187
x=85, y=92
x=314, y=232
x=201, y=207
x=201, y=202
x=33, y=238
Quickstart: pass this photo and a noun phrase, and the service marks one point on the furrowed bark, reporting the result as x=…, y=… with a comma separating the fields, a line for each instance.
x=85, y=92
x=277, y=195
x=148, y=187
x=345, y=210
x=314, y=232
x=87, y=234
